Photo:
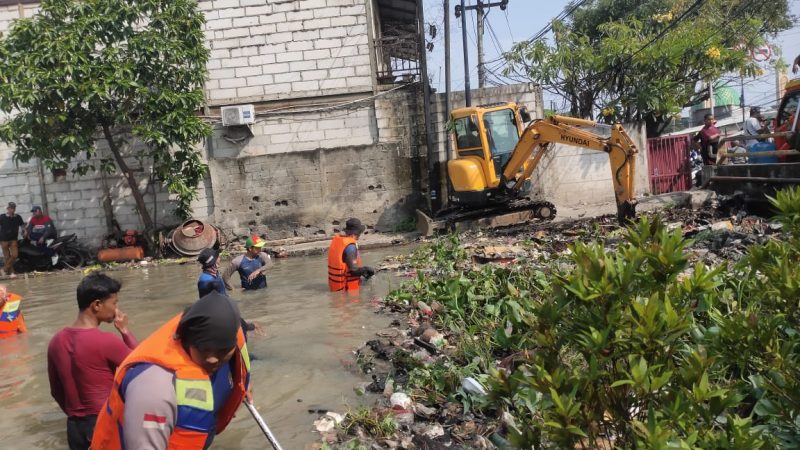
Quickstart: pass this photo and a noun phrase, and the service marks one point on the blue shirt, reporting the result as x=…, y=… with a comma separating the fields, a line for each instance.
x=206, y=278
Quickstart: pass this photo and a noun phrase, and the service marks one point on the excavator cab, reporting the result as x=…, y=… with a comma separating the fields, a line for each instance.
x=485, y=138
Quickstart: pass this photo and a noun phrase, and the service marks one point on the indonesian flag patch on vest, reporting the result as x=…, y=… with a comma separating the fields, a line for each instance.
x=152, y=421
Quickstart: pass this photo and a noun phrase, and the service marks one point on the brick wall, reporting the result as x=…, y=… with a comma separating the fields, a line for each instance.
x=278, y=49
x=76, y=203
x=8, y=14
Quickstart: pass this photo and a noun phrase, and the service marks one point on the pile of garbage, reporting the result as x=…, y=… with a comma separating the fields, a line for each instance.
x=720, y=233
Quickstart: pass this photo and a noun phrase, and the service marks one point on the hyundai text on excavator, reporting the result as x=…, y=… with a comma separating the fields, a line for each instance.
x=496, y=154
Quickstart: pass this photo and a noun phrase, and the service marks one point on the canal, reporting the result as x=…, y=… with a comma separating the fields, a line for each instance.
x=304, y=361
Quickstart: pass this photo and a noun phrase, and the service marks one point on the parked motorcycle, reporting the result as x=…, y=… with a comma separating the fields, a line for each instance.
x=61, y=252
x=696, y=167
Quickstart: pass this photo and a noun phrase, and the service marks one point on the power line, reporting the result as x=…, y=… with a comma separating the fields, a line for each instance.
x=547, y=28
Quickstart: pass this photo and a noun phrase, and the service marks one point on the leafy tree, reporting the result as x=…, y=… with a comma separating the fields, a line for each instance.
x=130, y=72
x=642, y=60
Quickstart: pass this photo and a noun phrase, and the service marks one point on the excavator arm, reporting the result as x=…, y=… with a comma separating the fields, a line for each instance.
x=540, y=136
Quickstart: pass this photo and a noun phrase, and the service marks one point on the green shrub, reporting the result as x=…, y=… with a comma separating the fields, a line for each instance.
x=633, y=347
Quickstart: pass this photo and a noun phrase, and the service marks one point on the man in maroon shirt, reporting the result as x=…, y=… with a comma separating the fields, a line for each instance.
x=81, y=359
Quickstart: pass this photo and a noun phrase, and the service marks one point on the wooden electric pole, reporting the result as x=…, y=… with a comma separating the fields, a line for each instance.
x=481, y=56
x=447, y=80
x=480, y=8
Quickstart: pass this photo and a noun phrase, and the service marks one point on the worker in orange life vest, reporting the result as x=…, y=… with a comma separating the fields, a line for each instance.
x=182, y=385
x=344, y=260
x=11, y=320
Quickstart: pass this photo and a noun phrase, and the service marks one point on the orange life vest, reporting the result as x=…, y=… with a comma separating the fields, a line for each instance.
x=193, y=392
x=11, y=320
x=339, y=276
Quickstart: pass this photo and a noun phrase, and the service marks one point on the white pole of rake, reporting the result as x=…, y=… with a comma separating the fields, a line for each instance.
x=263, y=426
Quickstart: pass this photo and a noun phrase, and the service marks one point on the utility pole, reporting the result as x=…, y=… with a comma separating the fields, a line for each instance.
x=447, y=80
x=461, y=12
x=481, y=66
x=741, y=96
x=435, y=202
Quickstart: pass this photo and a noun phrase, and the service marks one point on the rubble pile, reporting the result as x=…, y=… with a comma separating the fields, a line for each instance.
x=418, y=418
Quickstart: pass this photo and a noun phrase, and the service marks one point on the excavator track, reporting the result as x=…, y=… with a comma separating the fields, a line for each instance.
x=502, y=215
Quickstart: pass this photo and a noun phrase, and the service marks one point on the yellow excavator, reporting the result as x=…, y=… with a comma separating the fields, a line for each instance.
x=496, y=154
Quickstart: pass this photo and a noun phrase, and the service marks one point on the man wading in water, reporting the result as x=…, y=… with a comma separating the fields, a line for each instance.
x=251, y=266
x=182, y=385
x=344, y=259
x=81, y=359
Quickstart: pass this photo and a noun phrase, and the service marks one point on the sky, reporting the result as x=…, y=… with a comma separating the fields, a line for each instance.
x=524, y=18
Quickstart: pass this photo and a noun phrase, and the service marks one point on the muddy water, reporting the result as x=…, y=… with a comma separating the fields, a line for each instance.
x=304, y=361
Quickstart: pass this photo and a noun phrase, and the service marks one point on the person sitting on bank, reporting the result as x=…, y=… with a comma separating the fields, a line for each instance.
x=11, y=320
x=40, y=227
x=251, y=266
x=182, y=385
x=728, y=155
x=81, y=359
x=209, y=260
x=344, y=259
x=754, y=125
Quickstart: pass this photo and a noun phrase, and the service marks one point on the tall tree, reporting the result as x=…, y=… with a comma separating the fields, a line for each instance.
x=128, y=72
x=644, y=60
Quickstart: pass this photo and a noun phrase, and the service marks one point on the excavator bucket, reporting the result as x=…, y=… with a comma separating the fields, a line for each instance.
x=425, y=225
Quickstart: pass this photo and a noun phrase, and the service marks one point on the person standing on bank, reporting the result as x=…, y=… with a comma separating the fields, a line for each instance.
x=251, y=266
x=344, y=259
x=182, y=385
x=81, y=359
x=10, y=223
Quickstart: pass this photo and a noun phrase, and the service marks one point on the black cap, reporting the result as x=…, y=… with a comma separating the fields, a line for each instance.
x=11, y=205
x=354, y=226
x=35, y=208
x=211, y=323
x=755, y=110
x=208, y=257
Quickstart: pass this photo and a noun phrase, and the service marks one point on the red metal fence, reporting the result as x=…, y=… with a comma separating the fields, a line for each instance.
x=668, y=158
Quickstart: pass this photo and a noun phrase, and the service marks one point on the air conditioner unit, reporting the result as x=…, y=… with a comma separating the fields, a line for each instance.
x=238, y=115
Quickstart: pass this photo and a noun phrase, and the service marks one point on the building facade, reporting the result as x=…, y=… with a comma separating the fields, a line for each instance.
x=338, y=128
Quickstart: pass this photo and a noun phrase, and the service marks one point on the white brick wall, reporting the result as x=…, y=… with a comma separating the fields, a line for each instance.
x=311, y=47
x=301, y=132
x=76, y=203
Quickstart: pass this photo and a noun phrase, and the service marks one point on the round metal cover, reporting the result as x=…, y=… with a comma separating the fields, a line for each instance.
x=193, y=236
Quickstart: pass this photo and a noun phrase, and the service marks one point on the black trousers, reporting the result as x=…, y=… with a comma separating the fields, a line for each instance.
x=79, y=432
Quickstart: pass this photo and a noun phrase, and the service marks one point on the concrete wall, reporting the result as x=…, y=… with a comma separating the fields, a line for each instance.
x=572, y=176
